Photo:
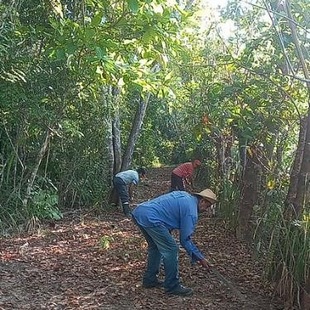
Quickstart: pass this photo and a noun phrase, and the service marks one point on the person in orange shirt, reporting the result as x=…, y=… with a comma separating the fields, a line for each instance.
x=182, y=175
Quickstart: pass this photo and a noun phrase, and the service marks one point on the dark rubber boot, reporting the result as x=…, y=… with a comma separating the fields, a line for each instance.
x=126, y=210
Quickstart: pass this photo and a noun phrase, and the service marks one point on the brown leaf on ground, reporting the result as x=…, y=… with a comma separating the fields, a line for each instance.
x=86, y=261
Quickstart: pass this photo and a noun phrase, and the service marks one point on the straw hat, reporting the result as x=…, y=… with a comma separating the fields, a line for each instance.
x=207, y=194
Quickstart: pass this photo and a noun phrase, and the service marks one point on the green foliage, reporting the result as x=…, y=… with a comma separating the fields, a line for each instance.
x=283, y=245
x=43, y=204
x=58, y=59
x=229, y=201
x=105, y=242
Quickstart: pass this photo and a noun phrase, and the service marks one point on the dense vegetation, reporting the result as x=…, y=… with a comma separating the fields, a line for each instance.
x=91, y=87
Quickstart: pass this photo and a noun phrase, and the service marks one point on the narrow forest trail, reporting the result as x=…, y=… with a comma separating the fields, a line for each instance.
x=90, y=261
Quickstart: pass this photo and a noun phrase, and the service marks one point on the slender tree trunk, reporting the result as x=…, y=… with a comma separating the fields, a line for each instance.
x=223, y=146
x=299, y=198
x=135, y=130
x=111, y=100
x=136, y=126
x=302, y=196
x=292, y=191
x=36, y=167
x=249, y=195
x=134, y=134
x=117, y=153
x=298, y=194
x=220, y=155
x=228, y=164
x=114, y=139
x=109, y=148
x=243, y=155
x=303, y=186
x=117, y=146
x=305, y=295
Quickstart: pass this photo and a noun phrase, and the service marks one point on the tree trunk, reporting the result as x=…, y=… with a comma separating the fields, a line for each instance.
x=302, y=196
x=292, y=191
x=114, y=140
x=243, y=155
x=223, y=146
x=121, y=165
x=135, y=130
x=249, y=194
x=220, y=155
x=109, y=148
x=117, y=154
x=36, y=167
x=305, y=295
x=117, y=145
x=303, y=186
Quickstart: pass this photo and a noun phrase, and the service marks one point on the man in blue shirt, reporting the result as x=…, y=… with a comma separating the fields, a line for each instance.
x=156, y=218
x=123, y=183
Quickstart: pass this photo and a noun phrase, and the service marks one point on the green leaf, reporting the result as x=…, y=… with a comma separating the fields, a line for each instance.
x=133, y=5
x=97, y=19
x=60, y=54
x=100, y=53
x=148, y=35
x=90, y=34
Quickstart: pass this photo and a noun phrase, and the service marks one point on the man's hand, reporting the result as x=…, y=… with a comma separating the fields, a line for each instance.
x=204, y=263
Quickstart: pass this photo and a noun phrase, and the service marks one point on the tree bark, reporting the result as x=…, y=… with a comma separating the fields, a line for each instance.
x=135, y=130
x=117, y=145
x=302, y=196
x=109, y=148
x=220, y=155
x=303, y=186
x=223, y=146
x=36, y=167
x=117, y=154
x=305, y=295
x=114, y=140
x=292, y=191
x=249, y=194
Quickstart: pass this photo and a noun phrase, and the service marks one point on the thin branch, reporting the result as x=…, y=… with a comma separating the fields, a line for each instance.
x=273, y=21
x=296, y=42
x=13, y=147
x=41, y=154
x=279, y=14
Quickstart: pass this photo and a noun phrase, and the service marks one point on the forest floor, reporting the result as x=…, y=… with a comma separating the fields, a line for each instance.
x=95, y=260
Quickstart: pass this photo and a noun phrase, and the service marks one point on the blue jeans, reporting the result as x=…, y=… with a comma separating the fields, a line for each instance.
x=161, y=245
x=121, y=189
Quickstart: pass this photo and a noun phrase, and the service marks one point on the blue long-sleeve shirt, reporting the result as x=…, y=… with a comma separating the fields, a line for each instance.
x=175, y=210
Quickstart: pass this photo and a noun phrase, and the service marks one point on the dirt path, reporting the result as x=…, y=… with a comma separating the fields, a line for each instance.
x=90, y=261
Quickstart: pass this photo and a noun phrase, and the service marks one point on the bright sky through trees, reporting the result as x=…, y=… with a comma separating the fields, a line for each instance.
x=226, y=28
x=215, y=3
